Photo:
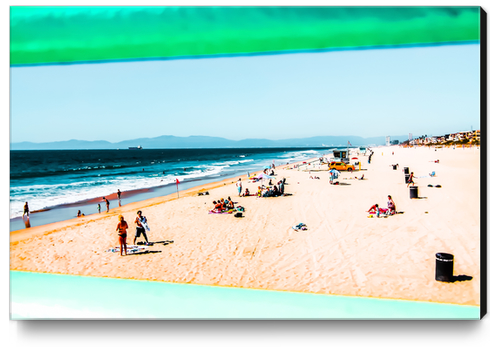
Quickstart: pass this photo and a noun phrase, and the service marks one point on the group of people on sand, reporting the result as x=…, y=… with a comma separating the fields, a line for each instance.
x=263, y=191
x=122, y=230
x=222, y=204
x=391, y=210
x=275, y=190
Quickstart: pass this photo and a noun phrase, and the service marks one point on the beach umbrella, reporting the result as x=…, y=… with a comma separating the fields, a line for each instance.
x=263, y=175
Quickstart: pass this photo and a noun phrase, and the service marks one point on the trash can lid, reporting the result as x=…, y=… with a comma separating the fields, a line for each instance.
x=444, y=256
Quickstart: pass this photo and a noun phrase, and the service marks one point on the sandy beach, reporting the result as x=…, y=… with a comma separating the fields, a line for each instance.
x=341, y=252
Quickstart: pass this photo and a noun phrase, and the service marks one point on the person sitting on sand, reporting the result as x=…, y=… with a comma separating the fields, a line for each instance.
x=247, y=192
x=217, y=206
x=259, y=192
x=391, y=205
x=122, y=232
x=80, y=214
x=275, y=191
x=361, y=178
x=141, y=227
x=230, y=205
x=281, y=187
x=410, y=180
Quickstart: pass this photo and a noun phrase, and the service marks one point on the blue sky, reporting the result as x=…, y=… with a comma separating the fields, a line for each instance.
x=379, y=92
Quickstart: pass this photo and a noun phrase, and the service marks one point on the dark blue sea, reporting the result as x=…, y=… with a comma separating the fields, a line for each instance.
x=50, y=179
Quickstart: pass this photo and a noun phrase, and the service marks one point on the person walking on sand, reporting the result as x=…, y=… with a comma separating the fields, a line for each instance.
x=122, y=232
x=239, y=186
x=119, y=197
x=410, y=180
x=26, y=210
x=141, y=227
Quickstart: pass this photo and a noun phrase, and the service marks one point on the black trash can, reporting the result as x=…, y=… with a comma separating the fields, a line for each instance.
x=414, y=192
x=406, y=178
x=406, y=170
x=444, y=267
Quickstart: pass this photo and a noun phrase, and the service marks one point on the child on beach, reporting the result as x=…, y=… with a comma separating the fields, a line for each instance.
x=122, y=232
x=410, y=180
x=98, y=207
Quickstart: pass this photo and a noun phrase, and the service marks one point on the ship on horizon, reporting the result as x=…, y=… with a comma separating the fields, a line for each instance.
x=139, y=147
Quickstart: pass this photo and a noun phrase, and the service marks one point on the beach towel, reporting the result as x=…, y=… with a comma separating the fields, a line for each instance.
x=130, y=248
x=381, y=210
x=220, y=212
x=300, y=226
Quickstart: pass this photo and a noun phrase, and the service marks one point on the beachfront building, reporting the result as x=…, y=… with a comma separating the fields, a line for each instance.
x=459, y=138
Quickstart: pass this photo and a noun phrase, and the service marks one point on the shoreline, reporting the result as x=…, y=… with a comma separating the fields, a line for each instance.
x=88, y=207
x=128, y=207
x=342, y=252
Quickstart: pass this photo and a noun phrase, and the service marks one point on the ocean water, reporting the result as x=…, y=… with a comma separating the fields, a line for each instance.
x=53, y=178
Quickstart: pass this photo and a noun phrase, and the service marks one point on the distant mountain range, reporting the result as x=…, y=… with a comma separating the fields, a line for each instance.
x=168, y=141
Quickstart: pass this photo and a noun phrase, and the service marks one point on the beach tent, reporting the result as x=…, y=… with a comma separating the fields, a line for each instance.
x=43, y=35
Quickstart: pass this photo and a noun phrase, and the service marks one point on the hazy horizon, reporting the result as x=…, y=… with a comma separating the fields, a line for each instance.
x=376, y=92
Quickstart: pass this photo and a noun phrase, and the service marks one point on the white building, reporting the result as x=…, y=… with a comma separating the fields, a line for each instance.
x=388, y=140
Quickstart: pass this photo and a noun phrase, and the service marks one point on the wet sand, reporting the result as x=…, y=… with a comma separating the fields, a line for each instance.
x=341, y=252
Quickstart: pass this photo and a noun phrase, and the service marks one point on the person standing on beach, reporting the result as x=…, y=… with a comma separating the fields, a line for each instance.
x=98, y=207
x=141, y=227
x=119, y=197
x=122, y=232
x=106, y=203
x=239, y=186
x=26, y=210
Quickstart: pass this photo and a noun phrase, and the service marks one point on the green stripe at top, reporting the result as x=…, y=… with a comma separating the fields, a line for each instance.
x=60, y=35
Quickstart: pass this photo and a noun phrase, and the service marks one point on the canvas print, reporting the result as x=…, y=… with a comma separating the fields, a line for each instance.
x=245, y=162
